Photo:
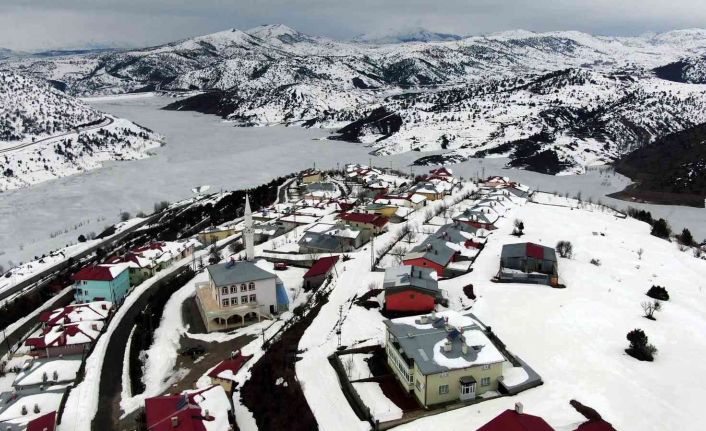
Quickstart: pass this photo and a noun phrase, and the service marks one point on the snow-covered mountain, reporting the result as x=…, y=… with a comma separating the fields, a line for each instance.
x=45, y=134
x=553, y=102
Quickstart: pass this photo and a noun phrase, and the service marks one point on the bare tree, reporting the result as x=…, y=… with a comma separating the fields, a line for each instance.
x=398, y=252
x=411, y=237
x=649, y=308
x=348, y=366
x=639, y=253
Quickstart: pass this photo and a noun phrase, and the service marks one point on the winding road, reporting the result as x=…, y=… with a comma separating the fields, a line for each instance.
x=107, y=121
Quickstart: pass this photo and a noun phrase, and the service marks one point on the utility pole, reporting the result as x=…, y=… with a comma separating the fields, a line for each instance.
x=339, y=325
x=372, y=252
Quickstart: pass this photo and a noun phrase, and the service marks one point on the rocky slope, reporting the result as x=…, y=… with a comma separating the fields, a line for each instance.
x=46, y=134
x=672, y=169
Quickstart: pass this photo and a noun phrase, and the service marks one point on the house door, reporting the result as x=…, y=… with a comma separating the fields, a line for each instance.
x=468, y=391
x=272, y=309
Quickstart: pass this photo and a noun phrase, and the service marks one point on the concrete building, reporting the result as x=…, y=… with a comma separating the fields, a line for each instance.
x=442, y=357
x=102, y=283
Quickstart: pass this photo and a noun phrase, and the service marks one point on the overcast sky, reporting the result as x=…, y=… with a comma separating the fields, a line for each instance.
x=41, y=24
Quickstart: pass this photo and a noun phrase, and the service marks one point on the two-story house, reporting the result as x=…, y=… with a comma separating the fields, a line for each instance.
x=102, y=283
x=442, y=357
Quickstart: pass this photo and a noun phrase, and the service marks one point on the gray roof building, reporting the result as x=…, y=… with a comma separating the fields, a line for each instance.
x=422, y=340
x=407, y=276
x=236, y=272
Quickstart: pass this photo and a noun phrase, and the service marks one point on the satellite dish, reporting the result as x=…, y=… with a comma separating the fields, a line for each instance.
x=201, y=189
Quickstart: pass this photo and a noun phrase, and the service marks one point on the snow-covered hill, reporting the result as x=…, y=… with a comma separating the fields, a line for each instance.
x=554, y=102
x=47, y=134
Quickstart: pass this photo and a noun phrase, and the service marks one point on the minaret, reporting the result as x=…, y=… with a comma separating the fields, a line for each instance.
x=249, y=232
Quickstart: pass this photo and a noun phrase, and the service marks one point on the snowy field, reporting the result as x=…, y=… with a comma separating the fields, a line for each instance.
x=202, y=149
x=575, y=337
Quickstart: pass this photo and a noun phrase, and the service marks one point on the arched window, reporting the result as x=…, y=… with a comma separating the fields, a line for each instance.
x=251, y=286
x=224, y=290
x=242, y=287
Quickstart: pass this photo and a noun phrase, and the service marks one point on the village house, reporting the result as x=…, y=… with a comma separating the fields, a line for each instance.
x=104, y=282
x=372, y=224
x=46, y=372
x=479, y=218
x=442, y=357
x=516, y=420
x=213, y=234
x=331, y=238
x=311, y=176
x=224, y=373
x=201, y=410
x=321, y=191
x=31, y=409
x=319, y=271
x=74, y=313
x=410, y=289
x=431, y=191
x=144, y=262
x=382, y=209
x=63, y=340
x=528, y=263
x=448, y=251
x=409, y=200
x=239, y=292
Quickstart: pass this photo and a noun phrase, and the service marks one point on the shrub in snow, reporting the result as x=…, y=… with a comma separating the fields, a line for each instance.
x=81, y=238
x=661, y=229
x=124, y=216
x=468, y=291
x=640, y=348
x=685, y=238
x=596, y=262
x=565, y=249
x=649, y=308
x=658, y=292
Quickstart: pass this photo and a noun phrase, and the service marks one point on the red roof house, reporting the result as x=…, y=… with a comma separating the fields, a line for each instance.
x=175, y=412
x=318, y=272
x=370, y=221
x=516, y=420
x=99, y=272
x=224, y=373
x=596, y=425
x=45, y=422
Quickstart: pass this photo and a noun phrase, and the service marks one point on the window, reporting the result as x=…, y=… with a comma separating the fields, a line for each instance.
x=251, y=286
x=485, y=381
x=418, y=384
x=224, y=291
x=244, y=299
x=444, y=374
x=443, y=389
x=234, y=301
x=233, y=289
x=486, y=367
x=242, y=287
x=253, y=298
x=224, y=302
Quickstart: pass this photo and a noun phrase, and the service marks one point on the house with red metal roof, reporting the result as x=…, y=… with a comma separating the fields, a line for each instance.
x=372, y=224
x=63, y=340
x=516, y=420
x=104, y=282
x=74, y=313
x=224, y=373
x=316, y=275
x=45, y=422
x=202, y=410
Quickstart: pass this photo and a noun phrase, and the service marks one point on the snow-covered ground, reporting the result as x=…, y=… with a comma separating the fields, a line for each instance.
x=575, y=337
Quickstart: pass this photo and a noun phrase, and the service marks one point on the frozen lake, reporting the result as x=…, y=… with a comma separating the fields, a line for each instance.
x=202, y=150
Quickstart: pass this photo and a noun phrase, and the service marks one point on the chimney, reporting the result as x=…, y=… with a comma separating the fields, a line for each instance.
x=423, y=319
x=433, y=314
x=175, y=421
x=518, y=408
x=448, y=346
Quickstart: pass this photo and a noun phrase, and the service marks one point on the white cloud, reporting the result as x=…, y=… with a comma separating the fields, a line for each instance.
x=45, y=24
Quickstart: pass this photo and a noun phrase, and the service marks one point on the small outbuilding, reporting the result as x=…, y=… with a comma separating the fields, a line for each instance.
x=316, y=275
x=516, y=420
